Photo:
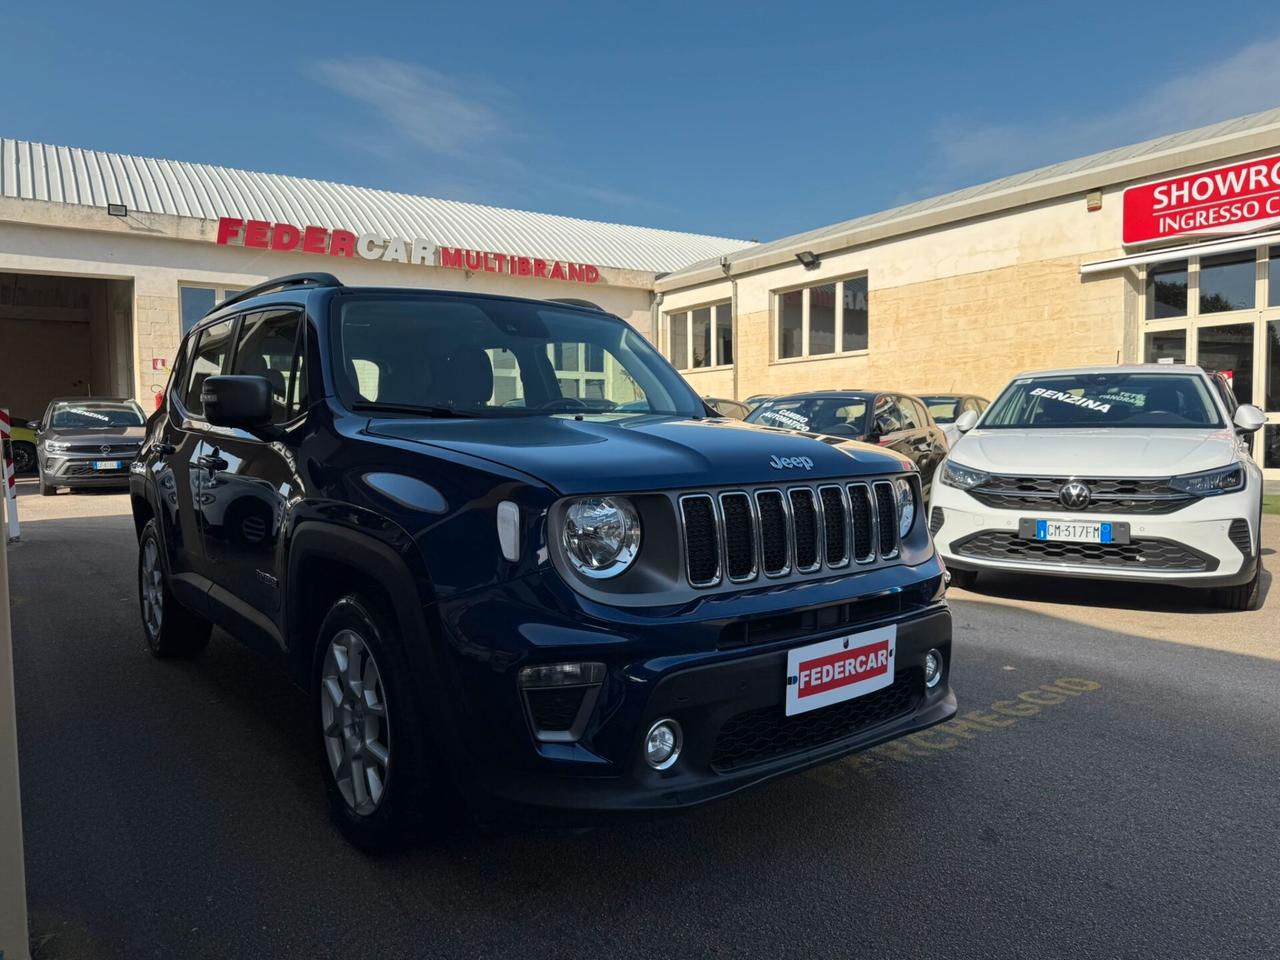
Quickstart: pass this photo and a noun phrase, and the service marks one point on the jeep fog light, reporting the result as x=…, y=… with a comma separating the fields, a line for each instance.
x=561, y=674
x=662, y=744
x=932, y=669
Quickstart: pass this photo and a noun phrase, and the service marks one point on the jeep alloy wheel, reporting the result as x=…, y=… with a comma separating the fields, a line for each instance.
x=353, y=711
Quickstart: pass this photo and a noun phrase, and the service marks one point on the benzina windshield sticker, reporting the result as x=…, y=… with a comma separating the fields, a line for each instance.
x=787, y=418
x=82, y=412
x=1075, y=401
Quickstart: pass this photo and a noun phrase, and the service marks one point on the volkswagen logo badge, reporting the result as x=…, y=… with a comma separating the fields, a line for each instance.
x=105, y=448
x=1074, y=495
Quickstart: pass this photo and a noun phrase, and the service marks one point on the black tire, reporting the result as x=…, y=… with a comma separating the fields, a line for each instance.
x=411, y=784
x=1243, y=597
x=963, y=579
x=24, y=457
x=172, y=631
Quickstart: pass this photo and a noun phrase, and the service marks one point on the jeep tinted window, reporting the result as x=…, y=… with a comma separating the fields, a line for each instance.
x=500, y=358
x=270, y=346
x=209, y=359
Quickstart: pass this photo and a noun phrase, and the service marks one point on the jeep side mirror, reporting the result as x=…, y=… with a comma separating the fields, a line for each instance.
x=236, y=401
x=1249, y=419
x=966, y=421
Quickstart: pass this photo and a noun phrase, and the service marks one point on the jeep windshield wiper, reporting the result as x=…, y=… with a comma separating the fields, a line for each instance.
x=372, y=406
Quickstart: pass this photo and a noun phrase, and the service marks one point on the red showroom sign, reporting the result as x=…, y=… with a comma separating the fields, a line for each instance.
x=333, y=243
x=480, y=261
x=1225, y=200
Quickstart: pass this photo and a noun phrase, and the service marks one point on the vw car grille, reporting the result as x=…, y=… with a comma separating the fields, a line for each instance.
x=1106, y=494
x=740, y=536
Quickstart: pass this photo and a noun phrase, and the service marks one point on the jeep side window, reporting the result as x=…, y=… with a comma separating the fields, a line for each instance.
x=271, y=346
x=208, y=360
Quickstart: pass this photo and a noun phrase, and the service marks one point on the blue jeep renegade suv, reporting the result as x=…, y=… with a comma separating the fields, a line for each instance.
x=515, y=559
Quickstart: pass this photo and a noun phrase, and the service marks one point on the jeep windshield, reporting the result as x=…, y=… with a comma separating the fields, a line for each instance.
x=437, y=355
x=1137, y=400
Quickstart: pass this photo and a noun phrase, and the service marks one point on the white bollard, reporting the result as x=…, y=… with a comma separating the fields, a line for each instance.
x=14, y=937
x=10, y=489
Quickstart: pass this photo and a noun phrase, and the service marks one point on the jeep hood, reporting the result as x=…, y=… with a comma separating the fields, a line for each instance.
x=616, y=454
x=1116, y=452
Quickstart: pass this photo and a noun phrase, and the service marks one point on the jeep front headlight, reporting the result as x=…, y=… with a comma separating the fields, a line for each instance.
x=601, y=535
x=905, y=494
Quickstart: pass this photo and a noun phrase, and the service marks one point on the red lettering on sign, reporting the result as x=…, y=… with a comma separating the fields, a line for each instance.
x=590, y=274
x=285, y=236
x=539, y=267
x=474, y=260
x=255, y=233
x=342, y=243
x=228, y=229
x=451, y=257
x=525, y=266
x=501, y=258
x=315, y=239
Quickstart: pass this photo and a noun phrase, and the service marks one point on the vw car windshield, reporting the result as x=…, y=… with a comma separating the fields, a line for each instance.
x=89, y=416
x=1138, y=400
x=838, y=416
x=500, y=358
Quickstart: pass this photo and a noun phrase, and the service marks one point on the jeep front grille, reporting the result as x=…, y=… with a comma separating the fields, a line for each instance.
x=744, y=535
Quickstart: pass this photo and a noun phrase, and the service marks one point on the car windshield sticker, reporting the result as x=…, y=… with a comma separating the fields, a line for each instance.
x=1086, y=402
x=1122, y=396
x=82, y=412
x=786, y=418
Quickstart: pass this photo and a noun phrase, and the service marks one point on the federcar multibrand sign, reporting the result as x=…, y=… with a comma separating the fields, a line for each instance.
x=483, y=261
x=1225, y=200
x=333, y=243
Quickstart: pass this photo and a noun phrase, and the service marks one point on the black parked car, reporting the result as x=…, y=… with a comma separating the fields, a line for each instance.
x=87, y=442
x=891, y=420
x=727, y=408
x=546, y=606
x=946, y=408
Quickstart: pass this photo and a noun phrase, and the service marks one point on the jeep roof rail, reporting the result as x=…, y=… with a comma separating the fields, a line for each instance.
x=282, y=283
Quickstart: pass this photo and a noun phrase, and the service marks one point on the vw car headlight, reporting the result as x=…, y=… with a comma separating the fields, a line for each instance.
x=601, y=535
x=1212, y=482
x=56, y=446
x=906, y=497
x=955, y=475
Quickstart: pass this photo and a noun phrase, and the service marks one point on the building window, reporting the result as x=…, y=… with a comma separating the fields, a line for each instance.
x=791, y=324
x=1229, y=349
x=701, y=338
x=194, y=302
x=1169, y=346
x=823, y=320
x=1227, y=282
x=1167, y=291
x=724, y=334
x=1272, y=398
x=1273, y=278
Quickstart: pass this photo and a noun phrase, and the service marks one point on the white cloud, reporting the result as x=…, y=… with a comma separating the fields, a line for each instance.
x=443, y=119
x=420, y=104
x=1245, y=82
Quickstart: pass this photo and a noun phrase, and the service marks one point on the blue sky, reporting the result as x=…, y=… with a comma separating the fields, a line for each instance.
x=739, y=119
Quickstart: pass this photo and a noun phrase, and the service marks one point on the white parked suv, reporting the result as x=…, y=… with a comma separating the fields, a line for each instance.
x=1120, y=473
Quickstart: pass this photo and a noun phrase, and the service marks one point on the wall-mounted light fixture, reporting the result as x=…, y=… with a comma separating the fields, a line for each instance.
x=1093, y=201
x=809, y=259
x=117, y=210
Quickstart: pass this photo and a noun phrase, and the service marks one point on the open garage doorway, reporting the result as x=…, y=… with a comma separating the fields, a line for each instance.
x=63, y=337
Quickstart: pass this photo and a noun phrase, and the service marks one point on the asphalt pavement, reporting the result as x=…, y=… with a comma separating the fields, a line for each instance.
x=1110, y=791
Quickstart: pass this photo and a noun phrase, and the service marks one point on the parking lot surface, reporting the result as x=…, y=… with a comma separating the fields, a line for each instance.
x=1110, y=790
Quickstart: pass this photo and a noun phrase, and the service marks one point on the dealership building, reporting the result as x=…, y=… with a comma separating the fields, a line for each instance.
x=1168, y=250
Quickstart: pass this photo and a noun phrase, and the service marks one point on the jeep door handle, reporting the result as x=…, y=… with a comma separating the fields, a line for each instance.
x=211, y=463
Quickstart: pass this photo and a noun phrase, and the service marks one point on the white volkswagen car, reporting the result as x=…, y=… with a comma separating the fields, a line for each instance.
x=1121, y=473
